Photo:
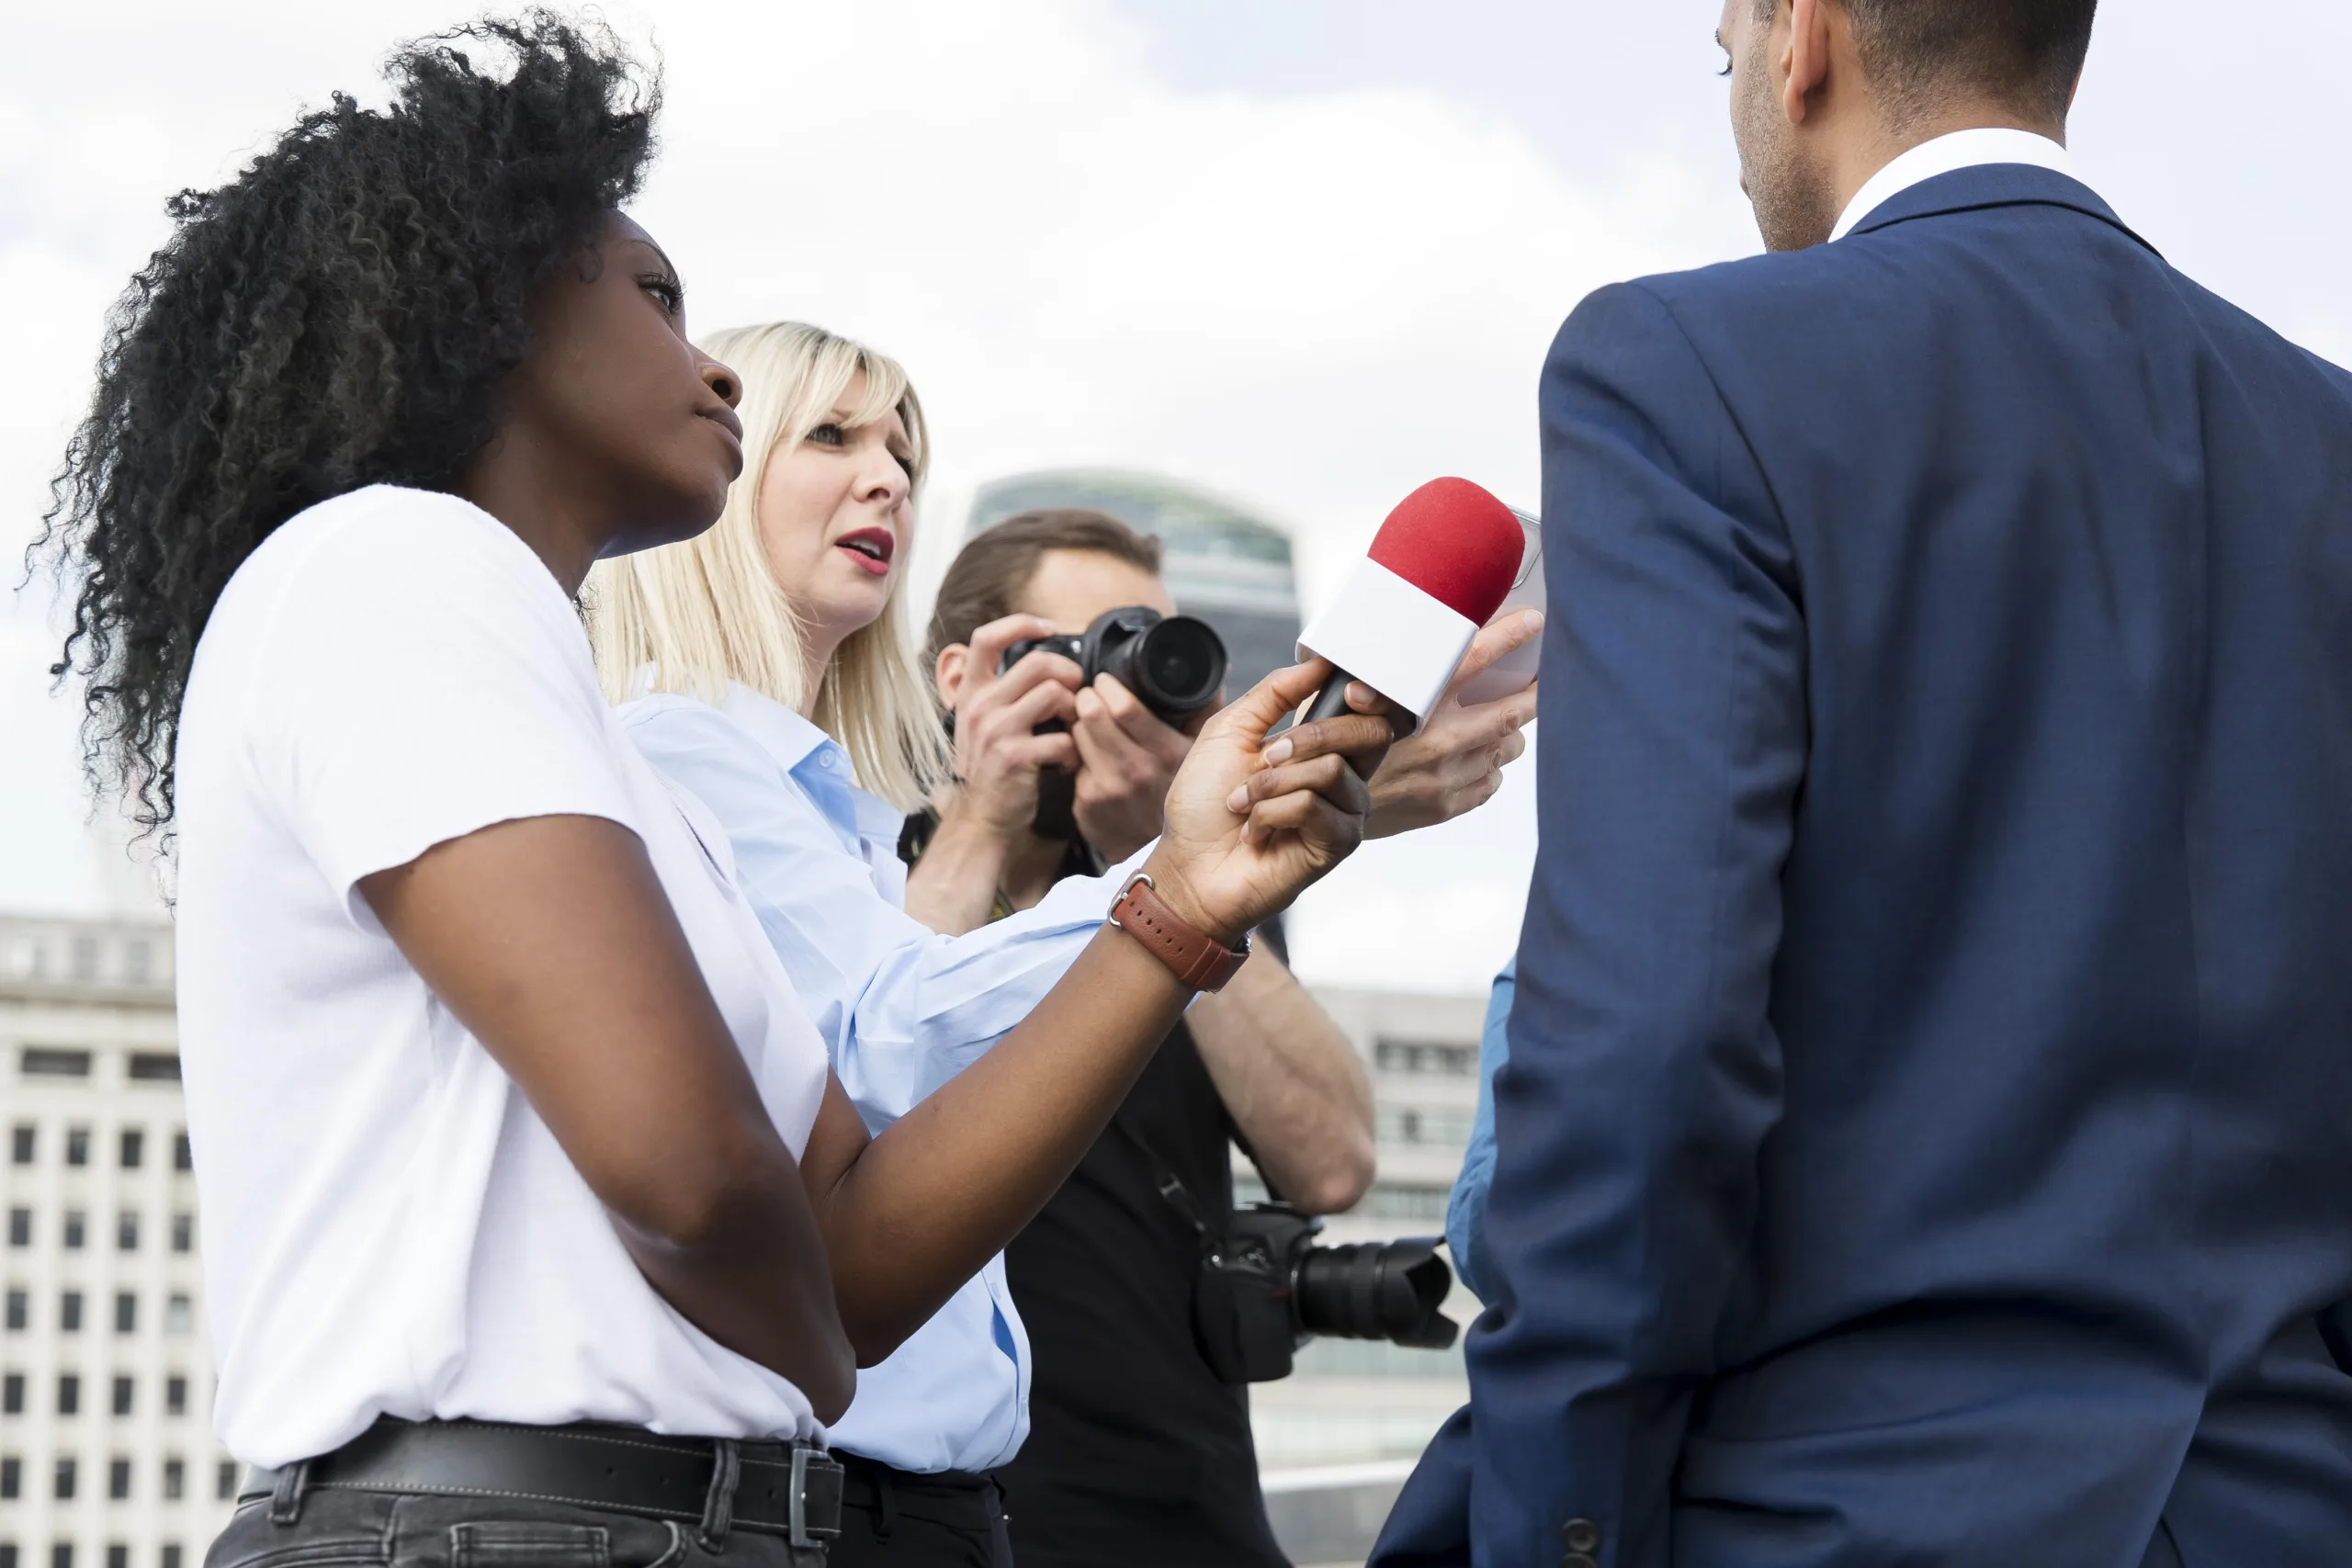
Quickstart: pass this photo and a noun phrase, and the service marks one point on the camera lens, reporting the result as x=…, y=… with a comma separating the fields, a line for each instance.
x=1177, y=665
x=1376, y=1290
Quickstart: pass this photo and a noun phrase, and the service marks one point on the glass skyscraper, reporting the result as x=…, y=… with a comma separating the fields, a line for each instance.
x=1223, y=564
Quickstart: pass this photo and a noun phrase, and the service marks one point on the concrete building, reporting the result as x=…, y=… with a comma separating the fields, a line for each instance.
x=107, y=1455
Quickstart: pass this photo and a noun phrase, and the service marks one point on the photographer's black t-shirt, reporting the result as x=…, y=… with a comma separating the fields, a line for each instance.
x=1137, y=1454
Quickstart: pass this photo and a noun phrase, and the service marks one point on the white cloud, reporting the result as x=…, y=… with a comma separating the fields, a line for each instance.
x=1313, y=303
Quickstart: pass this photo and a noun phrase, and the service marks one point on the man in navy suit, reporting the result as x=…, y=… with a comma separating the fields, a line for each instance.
x=1926, y=1138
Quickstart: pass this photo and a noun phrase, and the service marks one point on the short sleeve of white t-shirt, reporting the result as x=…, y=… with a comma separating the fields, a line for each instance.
x=389, y=1228
x=416, y=682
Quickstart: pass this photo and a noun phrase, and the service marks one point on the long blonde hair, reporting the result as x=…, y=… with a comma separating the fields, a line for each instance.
x=691, y=617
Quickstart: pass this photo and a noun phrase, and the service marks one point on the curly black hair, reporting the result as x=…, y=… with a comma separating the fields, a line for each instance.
x=341, y=314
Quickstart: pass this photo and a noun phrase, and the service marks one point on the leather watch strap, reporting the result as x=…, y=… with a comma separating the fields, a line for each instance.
x=1191, y=956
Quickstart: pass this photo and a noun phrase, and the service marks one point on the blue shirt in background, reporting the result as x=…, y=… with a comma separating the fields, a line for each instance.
x=1466, y=1214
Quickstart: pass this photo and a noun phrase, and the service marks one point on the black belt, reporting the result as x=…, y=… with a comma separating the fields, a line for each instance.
x=789, y=1489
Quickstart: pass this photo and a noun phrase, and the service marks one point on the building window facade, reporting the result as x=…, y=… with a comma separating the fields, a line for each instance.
x=224, y=1482
x=44, y=1061
x=126, y=1231
x=69, y=1312
x=24, y=1143
x=69, y=1394
x=126, y=1313
x=118, y=1478
x=180, y=1315
x=183, y=1233
x=68, y=1479
x=19, y=1310
x=12, y=1394
x=20, y=1227
x=122, y=1386
x=77, y=1146
x=12, y=1478
x=132, y=1147
x=76, y=1230
x=1426, y=1057
x=174, y=1480
x=176, y=1395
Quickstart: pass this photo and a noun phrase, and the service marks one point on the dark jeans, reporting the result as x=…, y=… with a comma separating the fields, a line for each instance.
x=893, y=1520
x=337, y=1529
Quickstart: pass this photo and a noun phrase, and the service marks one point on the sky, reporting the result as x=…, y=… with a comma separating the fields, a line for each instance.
x=1308, y=253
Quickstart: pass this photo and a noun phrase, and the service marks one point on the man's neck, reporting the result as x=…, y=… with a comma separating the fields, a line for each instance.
x=1856, y=163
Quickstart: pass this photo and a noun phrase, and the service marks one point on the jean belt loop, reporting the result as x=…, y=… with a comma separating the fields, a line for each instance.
x=718, y=1507
x=886, y=1499
x=286, y=1497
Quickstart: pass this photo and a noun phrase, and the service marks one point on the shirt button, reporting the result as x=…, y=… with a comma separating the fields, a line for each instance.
x=1582, y=1538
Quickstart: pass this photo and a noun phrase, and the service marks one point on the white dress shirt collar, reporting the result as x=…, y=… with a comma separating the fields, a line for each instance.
x=1946, y=154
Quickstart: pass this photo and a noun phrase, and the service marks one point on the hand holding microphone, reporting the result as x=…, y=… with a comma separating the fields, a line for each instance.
x=1438, y=571
x=1226, y=869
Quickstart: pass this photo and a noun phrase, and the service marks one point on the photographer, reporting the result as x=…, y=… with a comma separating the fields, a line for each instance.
x=1138, y=1451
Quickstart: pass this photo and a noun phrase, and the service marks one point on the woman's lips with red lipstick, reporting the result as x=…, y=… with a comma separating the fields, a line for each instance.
x=869, y=549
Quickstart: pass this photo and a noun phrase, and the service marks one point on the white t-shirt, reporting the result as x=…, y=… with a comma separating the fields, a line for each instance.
x=389, y=1228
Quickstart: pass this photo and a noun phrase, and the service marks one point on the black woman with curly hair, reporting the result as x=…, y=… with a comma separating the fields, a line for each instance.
x=536, y=1227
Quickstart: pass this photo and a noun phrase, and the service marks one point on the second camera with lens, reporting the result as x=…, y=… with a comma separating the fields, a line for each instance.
x=1174, y=664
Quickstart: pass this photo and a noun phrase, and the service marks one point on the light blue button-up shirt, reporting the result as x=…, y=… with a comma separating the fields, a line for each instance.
x=902, y=1009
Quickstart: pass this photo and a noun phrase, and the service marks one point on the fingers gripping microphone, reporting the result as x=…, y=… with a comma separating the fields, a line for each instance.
x=1439, y=568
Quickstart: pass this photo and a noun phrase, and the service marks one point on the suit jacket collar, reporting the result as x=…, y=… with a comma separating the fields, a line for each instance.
x=1994, y=185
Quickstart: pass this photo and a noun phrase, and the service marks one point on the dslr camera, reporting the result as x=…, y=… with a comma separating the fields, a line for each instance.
x=1175, y=664
x=1265, y=1289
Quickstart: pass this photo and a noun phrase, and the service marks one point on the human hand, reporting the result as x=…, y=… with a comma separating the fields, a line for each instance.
x=1128, y=758
x=1456, y=764
x=1248, y=829
x=997, y=751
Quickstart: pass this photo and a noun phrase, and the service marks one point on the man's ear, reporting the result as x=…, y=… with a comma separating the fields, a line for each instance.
x=1802, y=60
x=949, y=674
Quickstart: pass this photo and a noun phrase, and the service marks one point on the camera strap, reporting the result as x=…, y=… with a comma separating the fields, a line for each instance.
x=1167, y=1183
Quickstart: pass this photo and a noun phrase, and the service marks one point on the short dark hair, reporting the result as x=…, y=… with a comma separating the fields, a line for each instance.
x=2025, y=52
x=342, y=314
x=989, y=577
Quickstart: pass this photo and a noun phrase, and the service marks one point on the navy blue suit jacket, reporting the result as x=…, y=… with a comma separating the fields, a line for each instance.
x=1928, y=1131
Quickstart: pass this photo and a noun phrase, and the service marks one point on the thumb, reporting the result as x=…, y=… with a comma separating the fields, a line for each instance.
x=1265, y=705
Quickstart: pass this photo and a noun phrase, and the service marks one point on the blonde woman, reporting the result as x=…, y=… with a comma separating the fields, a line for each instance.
x=765, y=666
x=770, y=674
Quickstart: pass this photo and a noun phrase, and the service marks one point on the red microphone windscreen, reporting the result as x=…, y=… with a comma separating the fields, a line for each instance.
x=1455, y=543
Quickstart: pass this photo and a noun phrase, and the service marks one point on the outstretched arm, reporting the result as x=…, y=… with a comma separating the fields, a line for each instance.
x=1643, y=1073
x=911, y=1214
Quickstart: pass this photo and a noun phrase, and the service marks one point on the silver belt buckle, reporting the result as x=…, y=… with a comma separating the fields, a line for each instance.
x=816, y=1496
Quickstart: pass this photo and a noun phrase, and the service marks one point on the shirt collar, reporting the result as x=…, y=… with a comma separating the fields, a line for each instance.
x=1943, y=155
x=817, y=762
x=782, y=733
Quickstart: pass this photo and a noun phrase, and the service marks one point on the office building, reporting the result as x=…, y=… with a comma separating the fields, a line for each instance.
x=107, y=1454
